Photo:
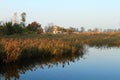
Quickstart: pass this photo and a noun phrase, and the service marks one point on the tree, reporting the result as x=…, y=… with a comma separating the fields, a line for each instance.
x=1, y=27
x=17, y=28
x=33, y=26
x=82, y=29
x=23, y=19
x=49, y=29
x=74, y=29
x=8, y=28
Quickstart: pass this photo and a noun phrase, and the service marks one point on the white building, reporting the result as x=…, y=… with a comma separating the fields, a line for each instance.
x=56, y=30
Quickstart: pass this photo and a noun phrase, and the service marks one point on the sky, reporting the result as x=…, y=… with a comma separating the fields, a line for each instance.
x=66, y=13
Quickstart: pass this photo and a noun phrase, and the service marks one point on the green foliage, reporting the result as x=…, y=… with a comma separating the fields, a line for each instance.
x=17, y=28
x=8, y=28
x=23, y=16
x=23, y=19
x=1, y=29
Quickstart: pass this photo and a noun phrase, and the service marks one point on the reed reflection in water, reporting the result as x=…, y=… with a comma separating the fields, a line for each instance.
x=12, y=71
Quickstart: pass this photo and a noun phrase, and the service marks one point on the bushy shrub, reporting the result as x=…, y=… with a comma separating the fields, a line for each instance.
x=17, y=28
x=34, y=26
x=8, y=28
x=1, y=29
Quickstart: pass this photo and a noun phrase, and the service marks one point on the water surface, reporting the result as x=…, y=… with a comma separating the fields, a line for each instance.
x=93, y=64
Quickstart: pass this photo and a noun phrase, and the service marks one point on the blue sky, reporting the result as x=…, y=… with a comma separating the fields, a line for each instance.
x=75, y=13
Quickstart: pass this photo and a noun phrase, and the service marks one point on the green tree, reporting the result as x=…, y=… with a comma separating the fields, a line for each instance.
x=8, y=28
x=17, y=28
x=23, y=19
x=1, y=28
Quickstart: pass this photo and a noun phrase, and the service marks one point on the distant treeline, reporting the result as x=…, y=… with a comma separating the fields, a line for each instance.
x=19, y=27
x=10, y=28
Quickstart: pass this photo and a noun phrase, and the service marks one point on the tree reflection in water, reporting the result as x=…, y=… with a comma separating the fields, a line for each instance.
x=13, y=70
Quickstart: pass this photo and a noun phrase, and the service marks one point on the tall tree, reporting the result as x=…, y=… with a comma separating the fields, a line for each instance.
x=49, y=28
x=82, y=29
x=23, y=18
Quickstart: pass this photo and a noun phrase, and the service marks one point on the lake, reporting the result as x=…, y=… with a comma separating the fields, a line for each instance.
x=93, y=64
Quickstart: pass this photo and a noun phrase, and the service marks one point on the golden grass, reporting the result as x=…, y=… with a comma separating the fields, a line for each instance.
x=46, y=45
x=14, y=49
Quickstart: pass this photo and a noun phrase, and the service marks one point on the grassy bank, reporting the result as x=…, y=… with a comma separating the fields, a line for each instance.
x=100, y=39
x=13, y=49
x=16, y=47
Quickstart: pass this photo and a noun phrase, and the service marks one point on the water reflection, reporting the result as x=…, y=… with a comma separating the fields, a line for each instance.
x=103, y=44
x=12, y=71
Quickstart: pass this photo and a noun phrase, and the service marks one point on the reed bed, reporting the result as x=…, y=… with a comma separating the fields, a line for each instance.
x=13, y=49
x=46, y=45
x=101, y=39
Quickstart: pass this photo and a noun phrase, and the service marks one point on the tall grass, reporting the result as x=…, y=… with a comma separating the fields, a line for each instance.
x=14, y=49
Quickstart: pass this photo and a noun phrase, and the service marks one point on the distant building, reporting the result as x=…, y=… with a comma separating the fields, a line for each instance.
x=56, y=30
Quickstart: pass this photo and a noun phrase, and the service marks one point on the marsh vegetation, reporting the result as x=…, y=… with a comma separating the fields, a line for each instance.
x=13, y=48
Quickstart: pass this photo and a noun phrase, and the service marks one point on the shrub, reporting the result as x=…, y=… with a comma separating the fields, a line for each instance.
x=1, y=29
x=8, y=28
x=17, y=28
x=34, y=26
